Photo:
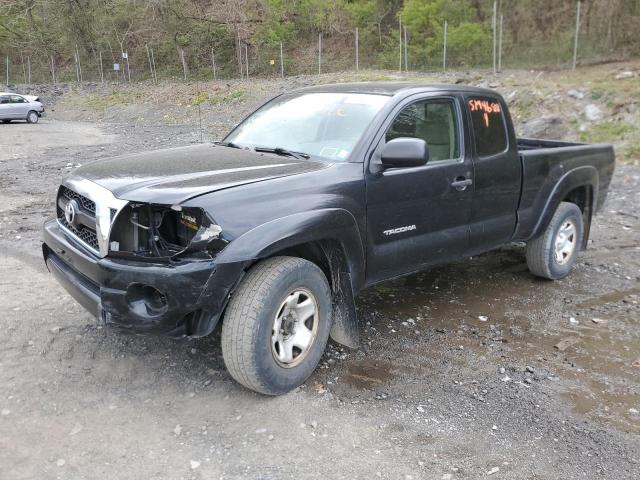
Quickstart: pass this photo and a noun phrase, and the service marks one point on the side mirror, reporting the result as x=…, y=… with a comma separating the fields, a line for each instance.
x=405, y=152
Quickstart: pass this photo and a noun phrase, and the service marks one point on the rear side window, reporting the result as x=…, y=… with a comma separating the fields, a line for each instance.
x=489, y=128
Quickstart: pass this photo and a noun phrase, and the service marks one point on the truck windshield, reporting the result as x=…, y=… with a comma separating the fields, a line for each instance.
x=326, y=125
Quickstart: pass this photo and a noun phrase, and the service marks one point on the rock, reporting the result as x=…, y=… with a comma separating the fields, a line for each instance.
x=573, y=321
x=633, y=411
x=55, y=330
x=177, y=430
x=483, y=318
x=60, y=462
x=529, y=369
x=261, y=430
x=493, y=470
x=593, y=112
x=502, y=370
x=575, y=94
x=624, y=75
x=77, y=428
x=598, y=320
x=194, y=464
x=314, y=424
x=270, y=437
x=5, y=412
x=447, y=476
x=546, y=126
x=565, y=343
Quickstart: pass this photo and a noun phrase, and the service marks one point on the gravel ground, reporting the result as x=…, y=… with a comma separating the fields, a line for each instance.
x=472, y=369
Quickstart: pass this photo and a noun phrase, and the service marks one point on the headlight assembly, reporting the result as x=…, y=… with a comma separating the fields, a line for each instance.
x=158, y=231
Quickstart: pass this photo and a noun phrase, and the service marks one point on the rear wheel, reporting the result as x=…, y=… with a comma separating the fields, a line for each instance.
x=6, y=121
x=32, y=117
x=277, y=325
x=553, y=254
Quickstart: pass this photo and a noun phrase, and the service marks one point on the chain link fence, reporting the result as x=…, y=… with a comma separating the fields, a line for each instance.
x=366, y=48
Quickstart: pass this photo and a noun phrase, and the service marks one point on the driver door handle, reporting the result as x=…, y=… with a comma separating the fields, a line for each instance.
x=461, y=183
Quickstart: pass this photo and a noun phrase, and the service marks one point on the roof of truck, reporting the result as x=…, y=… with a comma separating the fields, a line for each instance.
x=392, y=88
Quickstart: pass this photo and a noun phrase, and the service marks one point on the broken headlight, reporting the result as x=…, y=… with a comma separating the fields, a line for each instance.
x=160, y=231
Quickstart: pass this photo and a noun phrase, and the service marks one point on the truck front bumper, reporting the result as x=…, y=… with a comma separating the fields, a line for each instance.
x=180, y=298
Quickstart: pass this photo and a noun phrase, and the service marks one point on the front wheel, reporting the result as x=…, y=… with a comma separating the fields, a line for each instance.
x=553, y=254
x=32, y=117
x=277, y=324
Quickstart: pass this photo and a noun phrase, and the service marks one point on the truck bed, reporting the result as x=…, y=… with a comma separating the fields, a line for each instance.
x=545, y=162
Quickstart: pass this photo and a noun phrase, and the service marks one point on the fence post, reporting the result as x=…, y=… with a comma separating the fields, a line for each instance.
x=150, y=64
x=29, y=68
x=213, y=63
x=319, y=53
x=400, y=31
x=75, y=57
x=281, y=62
x=184, y=64
x=246, y=58
x=24, y=69
x=153, y=62
x=7, y=70
x=101, y=67
x=53, y=70
x=357, y=50
x=575, y=43
x=128, y=68
x=444, y=49
x=406, y=57
x=494, y=22
x=500, y=45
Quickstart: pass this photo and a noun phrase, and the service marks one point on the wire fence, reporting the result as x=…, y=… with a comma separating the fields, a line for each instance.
x=362, y=49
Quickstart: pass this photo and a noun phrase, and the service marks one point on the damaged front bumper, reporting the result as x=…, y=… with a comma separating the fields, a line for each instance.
x=185, y=297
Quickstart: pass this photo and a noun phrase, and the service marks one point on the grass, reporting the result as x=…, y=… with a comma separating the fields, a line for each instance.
x=606, y=132
x=103, y=102
x=224, y=98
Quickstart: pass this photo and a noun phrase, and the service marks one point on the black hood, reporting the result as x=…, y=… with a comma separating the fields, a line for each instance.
x=174, y=175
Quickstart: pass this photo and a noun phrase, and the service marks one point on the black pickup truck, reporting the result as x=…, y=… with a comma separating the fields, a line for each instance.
x=315, y=196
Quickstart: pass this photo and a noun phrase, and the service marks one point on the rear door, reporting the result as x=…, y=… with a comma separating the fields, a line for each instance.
x=419, y=216
x=497, y=173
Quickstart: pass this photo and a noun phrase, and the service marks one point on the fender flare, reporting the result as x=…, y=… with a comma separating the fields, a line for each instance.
x=347, y=262
x=575, y=178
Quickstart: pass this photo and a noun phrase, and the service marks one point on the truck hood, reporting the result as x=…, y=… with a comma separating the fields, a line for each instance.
x=175, y=175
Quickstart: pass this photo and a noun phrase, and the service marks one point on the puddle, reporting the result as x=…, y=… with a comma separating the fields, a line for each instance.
x=368, y=374
x=526, y=316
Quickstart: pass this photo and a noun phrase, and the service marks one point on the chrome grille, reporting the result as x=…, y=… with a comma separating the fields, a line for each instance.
x=85, y=233
x=86, y=204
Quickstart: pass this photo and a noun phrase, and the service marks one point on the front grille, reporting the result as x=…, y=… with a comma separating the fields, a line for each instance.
x=84, y=232
x=86, y=204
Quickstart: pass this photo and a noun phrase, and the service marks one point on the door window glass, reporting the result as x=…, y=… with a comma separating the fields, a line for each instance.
x=489, y=129
x=17, y=99
x=435, y=122
x=5, y=99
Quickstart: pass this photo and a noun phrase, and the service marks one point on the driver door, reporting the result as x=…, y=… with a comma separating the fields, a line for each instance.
x=419, y=216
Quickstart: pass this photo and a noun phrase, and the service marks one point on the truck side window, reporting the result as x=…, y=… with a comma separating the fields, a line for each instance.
x=435, y=122
x=489, y=129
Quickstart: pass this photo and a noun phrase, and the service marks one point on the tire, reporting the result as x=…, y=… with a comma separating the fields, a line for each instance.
x=248, y=346
x=6, y=121
x=549, y=255
x=32, y=117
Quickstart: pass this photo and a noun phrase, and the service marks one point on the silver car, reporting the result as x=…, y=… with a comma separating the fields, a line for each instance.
x=20, y=107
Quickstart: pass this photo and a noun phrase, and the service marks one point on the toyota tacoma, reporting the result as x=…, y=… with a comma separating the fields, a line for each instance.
x=316, y=195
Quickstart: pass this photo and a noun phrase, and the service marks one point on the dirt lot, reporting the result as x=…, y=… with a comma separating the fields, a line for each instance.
x=433, y=392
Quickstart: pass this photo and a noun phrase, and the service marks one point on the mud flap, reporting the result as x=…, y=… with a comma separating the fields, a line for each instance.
x=345, y=318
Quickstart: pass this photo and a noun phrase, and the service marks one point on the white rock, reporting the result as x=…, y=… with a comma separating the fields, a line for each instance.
x=60, y=462
x=483, y=318
x=194, y=464
x=5, y=412
x=624, y=75
x=573, y=321
x=493, y=470
x=593, y=113
x=575, y=94
x=261, y=430
x=447, y=476
x=178, y=429
x=77, y=428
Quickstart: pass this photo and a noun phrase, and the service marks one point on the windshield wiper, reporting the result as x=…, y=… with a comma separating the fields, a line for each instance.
x=282, y=151
x=228, y=144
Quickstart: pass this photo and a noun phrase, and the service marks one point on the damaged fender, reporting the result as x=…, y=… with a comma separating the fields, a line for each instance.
x=337, y=233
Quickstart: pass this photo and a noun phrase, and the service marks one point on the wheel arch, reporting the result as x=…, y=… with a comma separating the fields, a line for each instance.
x=579, y=186
x=328, y=238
